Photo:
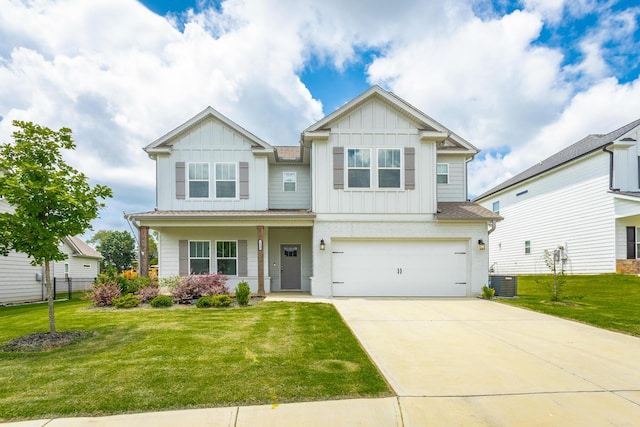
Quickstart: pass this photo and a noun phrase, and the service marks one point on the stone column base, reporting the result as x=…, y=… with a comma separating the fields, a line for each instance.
x=628, y=266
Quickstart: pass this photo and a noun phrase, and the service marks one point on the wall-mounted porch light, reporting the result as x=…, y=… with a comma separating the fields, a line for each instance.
x=481, y=245
x=322, y=245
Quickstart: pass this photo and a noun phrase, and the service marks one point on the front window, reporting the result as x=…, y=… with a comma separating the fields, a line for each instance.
x=442, y=173
x=227, y=258
x=359, y=168
x=289, y=181
x=389, y=168
x=198, y=180
x=226, y=180
x=199, y=257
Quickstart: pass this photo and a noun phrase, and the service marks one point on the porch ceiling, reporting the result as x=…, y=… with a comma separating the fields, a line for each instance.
x=296, y=218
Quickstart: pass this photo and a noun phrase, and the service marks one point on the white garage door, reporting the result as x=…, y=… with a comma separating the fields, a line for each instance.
x=399, y=268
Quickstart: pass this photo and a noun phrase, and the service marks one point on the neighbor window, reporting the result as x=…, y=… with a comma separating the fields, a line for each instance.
x=389, y=168
x=359, y=168
x=289, y=181
x=226, y=174
x=198, y=180
x=442, y=173
x=199, y=257
x=527, y=247
x=637, y=254
x=227, y=257
x=496, y=207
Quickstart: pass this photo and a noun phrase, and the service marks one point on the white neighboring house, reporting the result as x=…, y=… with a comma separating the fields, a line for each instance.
x=22, y=282
x=373, y=201
x=585, y=199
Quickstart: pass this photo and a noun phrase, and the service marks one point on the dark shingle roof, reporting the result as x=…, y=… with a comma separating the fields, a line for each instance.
x=465, y=211
x=581, y=148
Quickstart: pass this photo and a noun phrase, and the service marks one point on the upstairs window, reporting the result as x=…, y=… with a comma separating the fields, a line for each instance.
x=527, y=247
x=442, y=173
x=359, y=168
x=199, y=257
x=226, y=180
x=198, y=180
x=289, y=181
x=389, y=168
x=227, y=257
x=496, y=207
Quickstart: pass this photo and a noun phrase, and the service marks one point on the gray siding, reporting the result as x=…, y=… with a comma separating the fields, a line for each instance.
x=299, y=199
x=455, y=190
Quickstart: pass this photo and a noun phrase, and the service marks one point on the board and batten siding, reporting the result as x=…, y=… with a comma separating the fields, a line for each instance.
x=169, y=251
x=374, y=124
x=570, y=207
x=627, y=165
x=280, y=199
x=455, y=189
x=211, y=141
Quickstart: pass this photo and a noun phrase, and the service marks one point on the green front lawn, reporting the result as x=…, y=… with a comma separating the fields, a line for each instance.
x=609, y=301
x=155, y=359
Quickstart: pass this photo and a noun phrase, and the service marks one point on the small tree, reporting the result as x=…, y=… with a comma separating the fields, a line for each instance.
x=51, y=200
x=117, y=247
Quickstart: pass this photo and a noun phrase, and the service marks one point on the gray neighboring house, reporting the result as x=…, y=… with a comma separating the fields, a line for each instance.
x=585, y=199
x=22, y=282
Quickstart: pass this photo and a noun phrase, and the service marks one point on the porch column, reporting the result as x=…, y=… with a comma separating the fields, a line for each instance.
x=143, y=259
x=260, y=229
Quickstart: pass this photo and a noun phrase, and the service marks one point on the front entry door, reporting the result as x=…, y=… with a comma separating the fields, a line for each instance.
x=290, y=267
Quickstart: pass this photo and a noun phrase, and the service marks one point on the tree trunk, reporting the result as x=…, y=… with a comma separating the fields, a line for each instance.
x=50, y=296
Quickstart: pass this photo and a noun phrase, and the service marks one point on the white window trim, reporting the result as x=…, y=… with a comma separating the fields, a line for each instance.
x=215, y=181
x=188, y=181
x=216, y=257
x=442, y=174
x=295, y=182
x=400, y=169
x=373, y=169
x=190, y=257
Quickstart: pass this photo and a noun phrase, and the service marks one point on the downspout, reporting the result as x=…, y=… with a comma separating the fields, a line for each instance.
x=492, y=227
x=610, y=168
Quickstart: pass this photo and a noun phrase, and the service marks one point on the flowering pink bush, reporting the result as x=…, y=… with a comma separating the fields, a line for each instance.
x=149, y=292
x=103, y=294
x=200, y=285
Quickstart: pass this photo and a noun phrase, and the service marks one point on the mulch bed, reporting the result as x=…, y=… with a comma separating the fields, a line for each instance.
x=41, y=341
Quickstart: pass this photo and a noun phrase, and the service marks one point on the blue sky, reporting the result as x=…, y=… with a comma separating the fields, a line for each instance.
x=518, y=79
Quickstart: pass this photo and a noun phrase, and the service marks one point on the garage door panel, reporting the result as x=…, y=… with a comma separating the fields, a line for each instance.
x=399, y=268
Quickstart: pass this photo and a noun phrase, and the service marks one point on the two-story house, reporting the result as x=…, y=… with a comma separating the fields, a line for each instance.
x=373, y=201
x=583, y=201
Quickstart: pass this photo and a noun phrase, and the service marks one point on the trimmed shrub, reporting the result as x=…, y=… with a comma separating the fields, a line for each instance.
x=126, y=301
x=161, y=301
x=487, y=292
x=103, y=294
x=222, y=300
x=149, y=292
x=243, y=293
x=201, y=285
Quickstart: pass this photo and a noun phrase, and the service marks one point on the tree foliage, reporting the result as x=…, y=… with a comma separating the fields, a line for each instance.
x=117, y=247
x=50, y=199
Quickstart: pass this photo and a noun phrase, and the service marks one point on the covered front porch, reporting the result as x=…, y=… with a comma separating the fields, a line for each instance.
x=627, y=217
x=270, y=250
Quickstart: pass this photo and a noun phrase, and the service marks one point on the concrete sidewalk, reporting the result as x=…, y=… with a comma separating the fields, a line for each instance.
x=462, y=362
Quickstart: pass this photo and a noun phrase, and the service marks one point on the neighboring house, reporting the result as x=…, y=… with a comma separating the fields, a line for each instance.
x=373, y=201
x=584, y=199
x=22, y=282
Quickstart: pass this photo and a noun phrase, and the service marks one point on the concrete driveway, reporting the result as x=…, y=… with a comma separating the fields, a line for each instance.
x=481, y=363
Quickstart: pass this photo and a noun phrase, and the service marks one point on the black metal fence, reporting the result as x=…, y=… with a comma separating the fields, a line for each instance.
x=69, y=285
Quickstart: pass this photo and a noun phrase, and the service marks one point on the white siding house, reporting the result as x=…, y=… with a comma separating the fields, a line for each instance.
x=22, y=282
x=584, y=199
x=371, y=202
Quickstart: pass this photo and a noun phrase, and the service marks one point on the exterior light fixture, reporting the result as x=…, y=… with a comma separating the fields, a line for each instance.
x=322, y=245
x=481, y=245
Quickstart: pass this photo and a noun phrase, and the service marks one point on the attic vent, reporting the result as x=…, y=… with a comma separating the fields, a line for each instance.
x=522, y=192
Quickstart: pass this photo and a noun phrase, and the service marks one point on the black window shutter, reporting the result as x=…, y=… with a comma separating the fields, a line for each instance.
x=631, y=243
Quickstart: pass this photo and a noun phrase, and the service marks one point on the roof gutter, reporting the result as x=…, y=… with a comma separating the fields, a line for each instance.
x=610, y=167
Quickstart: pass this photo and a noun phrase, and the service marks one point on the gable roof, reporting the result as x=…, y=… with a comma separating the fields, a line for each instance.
x=427, y=124
x=585, y=146
x=80, y=248
x=164, y=143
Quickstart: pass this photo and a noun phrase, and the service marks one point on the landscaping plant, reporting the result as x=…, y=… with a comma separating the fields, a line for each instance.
x=161, y=301
x=126, y=301
x=243, y=293
x=103, y=294
x=195, y=286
